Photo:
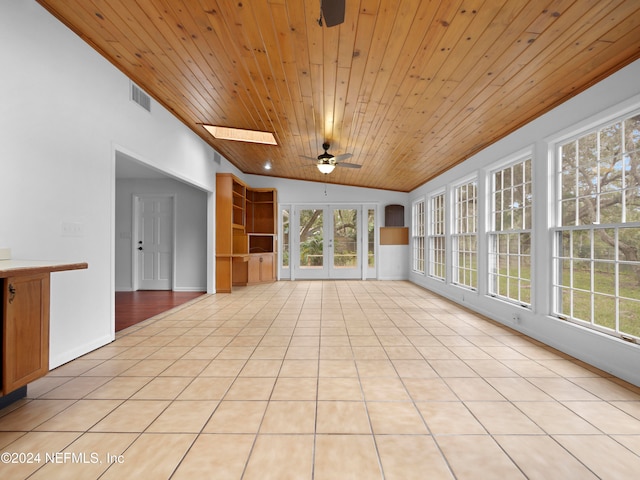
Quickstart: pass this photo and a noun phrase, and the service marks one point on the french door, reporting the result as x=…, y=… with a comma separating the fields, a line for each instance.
x=328, y=242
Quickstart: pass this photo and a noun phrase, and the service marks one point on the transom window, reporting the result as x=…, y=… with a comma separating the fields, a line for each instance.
x=597, y=241
x=465, y=242
x=437, y=251
x=510, y=235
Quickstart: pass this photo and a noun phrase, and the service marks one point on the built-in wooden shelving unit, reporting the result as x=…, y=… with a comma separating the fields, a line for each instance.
x=246, y=226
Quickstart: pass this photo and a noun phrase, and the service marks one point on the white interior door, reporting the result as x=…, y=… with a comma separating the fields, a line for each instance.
x=328, y=243
x=154, y=242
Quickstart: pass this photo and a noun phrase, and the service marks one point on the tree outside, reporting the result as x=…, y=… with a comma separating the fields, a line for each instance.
x=345, y=237
x=599, y=264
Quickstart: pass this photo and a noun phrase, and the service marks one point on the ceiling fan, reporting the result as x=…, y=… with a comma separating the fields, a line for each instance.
x=332, y=11
x=327, y=162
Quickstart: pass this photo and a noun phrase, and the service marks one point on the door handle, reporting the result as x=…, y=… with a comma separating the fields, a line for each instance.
x=12, y=293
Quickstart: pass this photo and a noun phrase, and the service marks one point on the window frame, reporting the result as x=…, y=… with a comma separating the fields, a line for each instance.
x=418, y=226
x=577, y=231
x=469, y=238
x=494, y=233
x=437, y=233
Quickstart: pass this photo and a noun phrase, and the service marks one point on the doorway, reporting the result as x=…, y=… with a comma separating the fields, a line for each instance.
x=174, y=263
x=329, y=242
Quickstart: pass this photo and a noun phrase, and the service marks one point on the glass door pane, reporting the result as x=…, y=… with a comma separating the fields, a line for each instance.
x=345, y=238
x=371, y=239
x=344, y=243
x=285, y=237
x=311, y=239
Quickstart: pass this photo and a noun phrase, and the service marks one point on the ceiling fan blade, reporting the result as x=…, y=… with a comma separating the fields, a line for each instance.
x=313, y=159
x=342, y=156
x=348, y=165
x=332, y=12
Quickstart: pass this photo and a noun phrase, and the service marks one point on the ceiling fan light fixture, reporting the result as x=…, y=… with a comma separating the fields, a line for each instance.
x=326, y=168
x=241, y=135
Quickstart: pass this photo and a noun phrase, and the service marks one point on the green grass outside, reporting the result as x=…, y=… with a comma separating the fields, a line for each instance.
x=603, y=305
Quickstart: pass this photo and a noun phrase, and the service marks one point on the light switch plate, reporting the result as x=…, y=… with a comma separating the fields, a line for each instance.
x=72, y=229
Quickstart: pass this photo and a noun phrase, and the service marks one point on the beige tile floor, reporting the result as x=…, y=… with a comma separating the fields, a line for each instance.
x=323, y=380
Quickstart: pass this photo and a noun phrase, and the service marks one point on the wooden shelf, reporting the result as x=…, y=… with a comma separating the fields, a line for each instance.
x=246, y=224
x=261, y=243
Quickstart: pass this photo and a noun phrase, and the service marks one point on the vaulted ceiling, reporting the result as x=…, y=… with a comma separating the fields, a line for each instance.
x=409, y=87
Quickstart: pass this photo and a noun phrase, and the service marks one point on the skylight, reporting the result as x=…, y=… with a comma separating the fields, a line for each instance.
x=240, y=135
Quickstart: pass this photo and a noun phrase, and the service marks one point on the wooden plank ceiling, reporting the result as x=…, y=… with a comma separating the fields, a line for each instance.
x=409, y=87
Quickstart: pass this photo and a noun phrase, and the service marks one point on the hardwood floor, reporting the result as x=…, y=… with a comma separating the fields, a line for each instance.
x=134, y=307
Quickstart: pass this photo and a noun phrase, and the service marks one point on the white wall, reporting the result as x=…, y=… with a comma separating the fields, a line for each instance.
x=64, y=112
x=190, y=247
x=610, y=97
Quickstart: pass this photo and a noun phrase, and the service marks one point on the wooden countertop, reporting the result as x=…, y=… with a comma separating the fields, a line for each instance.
x=12, y=268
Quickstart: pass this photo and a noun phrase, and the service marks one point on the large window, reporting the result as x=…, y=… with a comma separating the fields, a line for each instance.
x=465, y=241
x=510, y=233
x=597, y=246
x=418, y=236
x=437, y=252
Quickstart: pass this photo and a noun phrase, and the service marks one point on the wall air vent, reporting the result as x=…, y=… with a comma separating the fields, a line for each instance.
x=141, y=98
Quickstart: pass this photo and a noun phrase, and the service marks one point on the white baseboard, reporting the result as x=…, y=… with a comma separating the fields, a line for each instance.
x=67, y=356
x=175, y=289
x=189, y=289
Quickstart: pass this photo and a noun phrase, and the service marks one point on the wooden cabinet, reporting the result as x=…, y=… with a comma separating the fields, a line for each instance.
x=24, y=333
x=394, y=216
x=260, y=268
x=25, y=336
x=262, y=254
x=246, y=224
x=231, y=238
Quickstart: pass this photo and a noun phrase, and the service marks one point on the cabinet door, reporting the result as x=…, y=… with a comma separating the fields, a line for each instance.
x=254, y=267
x=266, y=268
x=25, y=336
